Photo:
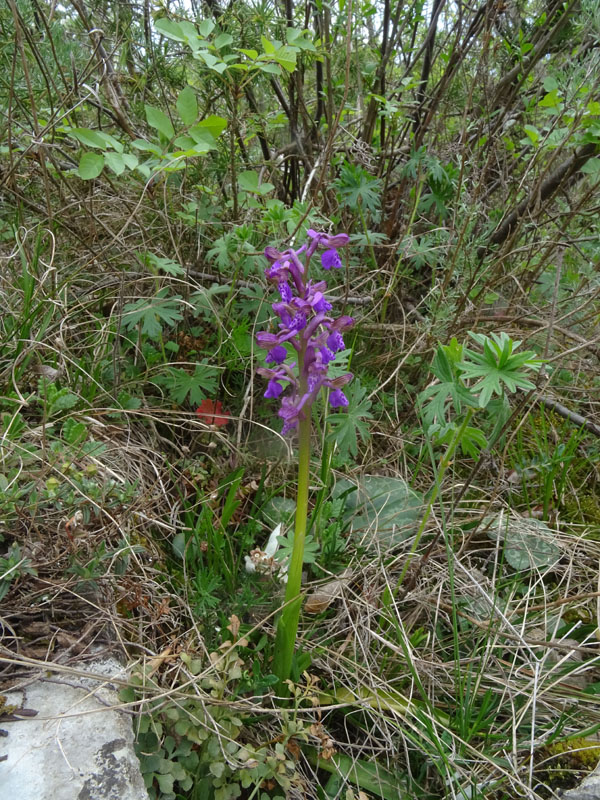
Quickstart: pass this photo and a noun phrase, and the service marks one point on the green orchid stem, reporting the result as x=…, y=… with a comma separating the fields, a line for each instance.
x=443, y=466
x=287, y=625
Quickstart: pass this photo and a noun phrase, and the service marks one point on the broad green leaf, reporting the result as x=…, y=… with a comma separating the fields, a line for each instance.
x=268, y=47
x=213, y=125
x=184, y=142
x=165, y=783
x=131, y=160
x=550, y=100
x=248, y=181
x=253, y=54
x=187, y=106
x=144, y=144
x=532, y=132
x=159, y=120
x=222, y=40
x=170, y=28
x=116, y=162
x=299, y=38
x=88, y=137
x=206, y=27
x=286, y=56
x=111, y=141
x=385, y=507
x=591, y=167
x=369, y=776
x=528, y=543
x=203, y=136
x=272, y=69
x=90, y=166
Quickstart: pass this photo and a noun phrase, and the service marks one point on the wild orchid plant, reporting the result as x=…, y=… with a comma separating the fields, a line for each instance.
x=299, y=353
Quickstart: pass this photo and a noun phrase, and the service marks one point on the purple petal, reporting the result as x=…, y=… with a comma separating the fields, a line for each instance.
x=320, y=304
x=266, y=340
x=276, y=355
x=337, y=399
x=299, y=322
x=331, y=258
x=326, y=355
x=274, y=389
x=339, y=240
x=335, y=341
x=285, y=292
x=342, y=323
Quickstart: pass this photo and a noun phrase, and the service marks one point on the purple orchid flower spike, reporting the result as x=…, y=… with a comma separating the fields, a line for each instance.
x=306, y=330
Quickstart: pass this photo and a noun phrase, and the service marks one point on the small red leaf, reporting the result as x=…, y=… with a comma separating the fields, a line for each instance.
x=211, y=412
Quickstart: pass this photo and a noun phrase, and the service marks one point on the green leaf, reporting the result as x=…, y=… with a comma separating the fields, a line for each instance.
x=73, y=432
x=158, y=119
x=373, y=777
x=206, y=27
x=591, y=167
x=90, y=166
x=223, y=40
x=187, y=106
x=163, y=264
x=171, y=29
x=435, y=400
x=532, y=132
x=213, y=125
x=528, y=543
x=217, y=768
x=498, y=368
x=150, y=147
x=199, y=384
x=345, y=426
x=63, y=401
x=165, y=783
x=278, y=509
x=299, y=38
x=88, y=137
x=272, y=69
x=386, y=507
x=152, y=313
x=248, y=182
x=356, y=186
x=116, y=162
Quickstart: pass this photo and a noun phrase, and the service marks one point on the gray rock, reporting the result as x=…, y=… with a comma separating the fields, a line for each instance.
x=77, y=747
x=588, y=789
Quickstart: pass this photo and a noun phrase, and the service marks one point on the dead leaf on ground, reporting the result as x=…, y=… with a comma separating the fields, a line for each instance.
x=324, y=596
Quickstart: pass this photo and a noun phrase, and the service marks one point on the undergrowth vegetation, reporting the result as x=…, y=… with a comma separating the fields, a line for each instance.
x=448, y=639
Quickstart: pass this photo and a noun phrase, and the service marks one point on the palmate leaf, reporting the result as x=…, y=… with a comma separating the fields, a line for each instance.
x=436, y=400
x=356, y=186
x=346, y=425
x=498, y=368
x=196, y=385
x=153, y=313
